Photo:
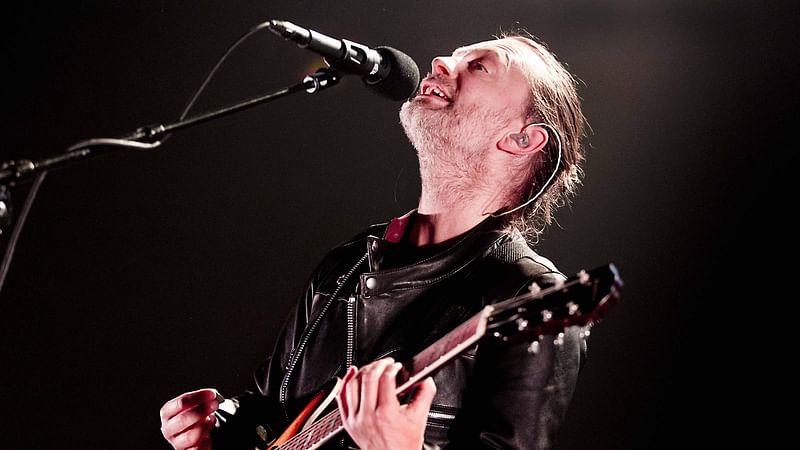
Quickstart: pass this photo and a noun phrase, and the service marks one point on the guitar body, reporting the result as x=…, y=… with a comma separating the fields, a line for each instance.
x=318, y=404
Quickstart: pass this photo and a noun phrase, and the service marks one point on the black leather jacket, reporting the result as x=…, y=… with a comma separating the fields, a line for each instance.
x=495, y=395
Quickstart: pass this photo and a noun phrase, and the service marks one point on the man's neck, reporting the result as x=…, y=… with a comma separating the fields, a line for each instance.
x=440, y=221
x=431, y=229
x=457, y=193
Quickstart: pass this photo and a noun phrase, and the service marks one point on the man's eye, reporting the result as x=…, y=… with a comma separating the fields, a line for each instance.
x=476, y=65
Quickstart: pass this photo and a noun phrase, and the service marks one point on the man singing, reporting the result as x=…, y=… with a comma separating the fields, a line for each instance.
x=497, y=127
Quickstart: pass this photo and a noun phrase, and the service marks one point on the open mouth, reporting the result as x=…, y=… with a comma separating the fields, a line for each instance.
x=433, y=90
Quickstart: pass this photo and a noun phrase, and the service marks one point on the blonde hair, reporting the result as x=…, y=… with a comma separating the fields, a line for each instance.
x=553, y=99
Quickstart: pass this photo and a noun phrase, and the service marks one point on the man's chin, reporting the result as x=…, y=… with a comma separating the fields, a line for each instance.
x=414, y=120
x=414, y=112
x=409, y=116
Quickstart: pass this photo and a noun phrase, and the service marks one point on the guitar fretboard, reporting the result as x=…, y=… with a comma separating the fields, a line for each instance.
x=443, y=350
x=421, y=366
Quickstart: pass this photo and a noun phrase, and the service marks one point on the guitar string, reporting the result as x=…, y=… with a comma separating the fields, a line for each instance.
x=328, y=424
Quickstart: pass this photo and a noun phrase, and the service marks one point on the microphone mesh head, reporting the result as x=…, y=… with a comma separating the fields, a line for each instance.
x=403, y=78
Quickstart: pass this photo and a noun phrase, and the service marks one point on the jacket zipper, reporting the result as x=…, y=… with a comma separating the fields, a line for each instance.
x=440, y=415
x=351, y=332
x=295, y=355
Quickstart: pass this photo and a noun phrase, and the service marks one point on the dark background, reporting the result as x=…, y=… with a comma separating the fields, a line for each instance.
x=142, y=275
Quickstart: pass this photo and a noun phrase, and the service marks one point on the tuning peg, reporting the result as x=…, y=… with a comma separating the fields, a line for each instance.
x=522, y=324
x=583, y=277
x=546, y=315
x=572, y=308
x=559, y=340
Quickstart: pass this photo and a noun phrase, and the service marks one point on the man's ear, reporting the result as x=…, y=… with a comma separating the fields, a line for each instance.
x=527, y=142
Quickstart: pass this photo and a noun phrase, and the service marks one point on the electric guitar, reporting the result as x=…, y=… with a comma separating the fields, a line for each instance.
x=579, y=301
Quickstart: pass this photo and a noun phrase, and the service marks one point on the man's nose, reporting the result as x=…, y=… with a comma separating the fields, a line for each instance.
x=444, y=65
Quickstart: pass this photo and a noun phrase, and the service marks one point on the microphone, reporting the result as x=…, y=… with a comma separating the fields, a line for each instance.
x=387, y=71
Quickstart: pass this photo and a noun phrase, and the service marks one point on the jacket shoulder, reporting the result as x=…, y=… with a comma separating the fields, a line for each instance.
x=520, y=265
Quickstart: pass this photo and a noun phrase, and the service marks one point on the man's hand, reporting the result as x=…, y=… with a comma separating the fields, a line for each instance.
x=187, y=420
x=372, y=414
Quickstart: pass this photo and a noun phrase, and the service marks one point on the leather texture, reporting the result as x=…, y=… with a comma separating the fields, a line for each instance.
x=495, y=395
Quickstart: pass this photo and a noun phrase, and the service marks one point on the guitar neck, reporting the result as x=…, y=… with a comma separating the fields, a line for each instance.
x=443, y=350
x=579, y=301
x=421, y=366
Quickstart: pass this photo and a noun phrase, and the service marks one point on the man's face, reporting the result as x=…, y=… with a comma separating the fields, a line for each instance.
x=469, y=101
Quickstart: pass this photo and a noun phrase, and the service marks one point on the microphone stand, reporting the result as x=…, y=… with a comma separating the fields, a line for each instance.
x=12, y=172
x=15, y=172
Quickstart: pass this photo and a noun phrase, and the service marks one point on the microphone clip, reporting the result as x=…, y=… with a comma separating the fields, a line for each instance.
x=323, y=78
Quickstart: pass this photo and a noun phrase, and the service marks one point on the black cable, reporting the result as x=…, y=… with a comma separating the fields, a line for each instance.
x=17, y=229
x=23, y=214
x=216, y=67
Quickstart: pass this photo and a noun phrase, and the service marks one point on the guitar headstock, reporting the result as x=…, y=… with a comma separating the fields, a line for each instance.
x=581, y=300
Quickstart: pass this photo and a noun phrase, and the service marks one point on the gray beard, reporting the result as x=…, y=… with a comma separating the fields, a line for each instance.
x=451, y=147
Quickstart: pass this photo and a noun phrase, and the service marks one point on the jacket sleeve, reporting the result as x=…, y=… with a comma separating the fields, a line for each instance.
x=518, y=399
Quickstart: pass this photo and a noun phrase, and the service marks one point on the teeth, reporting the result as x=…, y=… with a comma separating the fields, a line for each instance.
x=437, y=92
x=433, y=90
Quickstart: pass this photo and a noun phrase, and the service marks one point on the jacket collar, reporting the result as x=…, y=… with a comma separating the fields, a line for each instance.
x=471, y=246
